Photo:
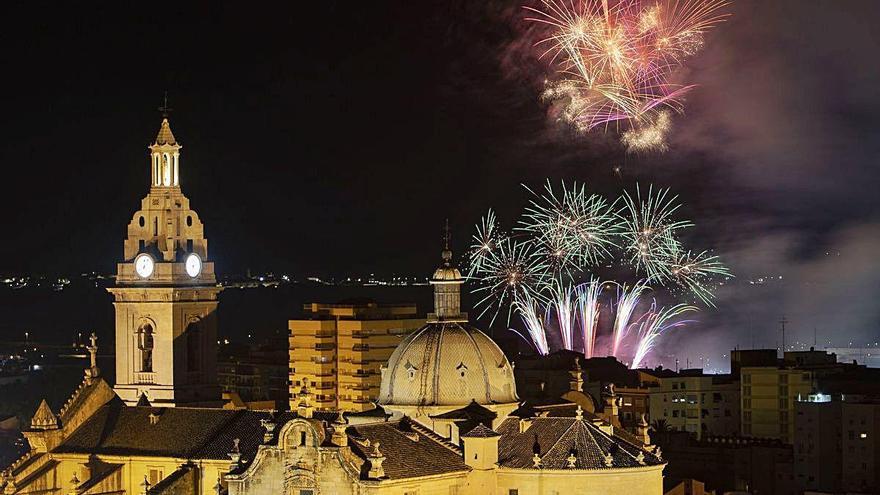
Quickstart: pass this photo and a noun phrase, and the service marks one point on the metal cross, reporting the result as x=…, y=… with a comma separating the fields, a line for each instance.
x=165, y=109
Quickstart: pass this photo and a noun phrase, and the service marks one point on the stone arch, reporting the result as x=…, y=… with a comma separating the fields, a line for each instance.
x=299, y=481
x=145, y=340
x=291, y=435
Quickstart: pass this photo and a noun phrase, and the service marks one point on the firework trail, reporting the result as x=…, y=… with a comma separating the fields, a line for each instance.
x=529, y=309
x=563, y=306
x=652, y=324
x=627, y=301
x=650, y=235
x=587, y=303
x=616, y=59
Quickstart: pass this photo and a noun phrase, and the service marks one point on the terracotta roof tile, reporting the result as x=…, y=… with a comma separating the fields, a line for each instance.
x=409, y=451
x=165, y=136
x=481, y=431
x=554, y=439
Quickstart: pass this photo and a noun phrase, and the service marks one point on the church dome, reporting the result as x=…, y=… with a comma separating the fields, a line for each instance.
x=447, y=363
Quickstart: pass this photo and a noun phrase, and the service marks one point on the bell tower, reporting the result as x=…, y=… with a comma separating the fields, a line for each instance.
x=166, y=294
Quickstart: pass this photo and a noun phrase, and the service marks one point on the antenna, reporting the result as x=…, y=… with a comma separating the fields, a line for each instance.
x=782, y=322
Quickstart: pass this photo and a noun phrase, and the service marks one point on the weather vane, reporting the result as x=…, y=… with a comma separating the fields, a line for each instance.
x=165, y=109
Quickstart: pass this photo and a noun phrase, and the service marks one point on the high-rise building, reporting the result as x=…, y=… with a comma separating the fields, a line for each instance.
x=695, y=402
x=166, y=294
x=768, y=398
x=336, y=351
x=837, y=443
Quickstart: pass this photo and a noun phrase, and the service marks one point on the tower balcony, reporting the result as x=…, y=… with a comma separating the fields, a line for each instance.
x=144, y=377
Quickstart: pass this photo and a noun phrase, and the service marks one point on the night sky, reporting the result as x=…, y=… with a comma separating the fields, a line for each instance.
x=334, y=138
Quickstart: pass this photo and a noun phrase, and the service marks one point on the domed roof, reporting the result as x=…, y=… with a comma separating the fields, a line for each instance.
x=446, y=273
x=447, y=364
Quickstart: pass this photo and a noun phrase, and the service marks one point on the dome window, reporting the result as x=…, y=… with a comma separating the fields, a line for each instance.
x=410, y=371
x=462, y=370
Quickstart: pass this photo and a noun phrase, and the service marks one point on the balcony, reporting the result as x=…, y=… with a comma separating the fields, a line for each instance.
x=145, y=377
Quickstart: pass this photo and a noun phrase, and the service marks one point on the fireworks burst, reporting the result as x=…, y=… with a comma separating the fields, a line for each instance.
x=696, y=272
x=616, y=59
x=510, y=271
x=651, y=232
x=561, y=240
x=572, y=229
x=652, y=324
x=649, y=137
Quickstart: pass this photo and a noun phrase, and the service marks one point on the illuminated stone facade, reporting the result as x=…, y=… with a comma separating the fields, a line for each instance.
x=166, y=320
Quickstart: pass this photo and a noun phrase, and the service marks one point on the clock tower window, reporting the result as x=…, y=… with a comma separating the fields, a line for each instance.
x=145, y=346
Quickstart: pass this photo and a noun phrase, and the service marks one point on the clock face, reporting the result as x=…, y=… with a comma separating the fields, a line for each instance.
x=193, y=265
x=143, y=265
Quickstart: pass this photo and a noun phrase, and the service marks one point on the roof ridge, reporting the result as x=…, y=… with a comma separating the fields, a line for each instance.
x=590, y=427
x=481, y=430
x=559, y=438
x=75, y=395
x=434, y=436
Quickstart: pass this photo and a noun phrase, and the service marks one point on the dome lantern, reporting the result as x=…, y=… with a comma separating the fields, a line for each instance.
x=447, y=281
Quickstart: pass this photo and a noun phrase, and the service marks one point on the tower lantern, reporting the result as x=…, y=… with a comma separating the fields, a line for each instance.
x=447, y=281
x=165, y=158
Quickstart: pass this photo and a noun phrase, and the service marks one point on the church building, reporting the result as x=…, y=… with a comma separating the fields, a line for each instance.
x=448, y=420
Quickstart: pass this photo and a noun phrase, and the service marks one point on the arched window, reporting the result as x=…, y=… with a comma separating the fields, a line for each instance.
x=166, y=170
x=145, y=346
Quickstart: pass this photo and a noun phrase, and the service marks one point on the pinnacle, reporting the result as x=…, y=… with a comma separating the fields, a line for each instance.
x=165, y=136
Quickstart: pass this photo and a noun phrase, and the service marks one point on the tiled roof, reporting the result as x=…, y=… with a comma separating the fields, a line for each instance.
x=409, y=451
x=119, y=430
x=193, y=433
x=554, y=439
x=481, y=431
x=165, y=136
x=447, y=364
